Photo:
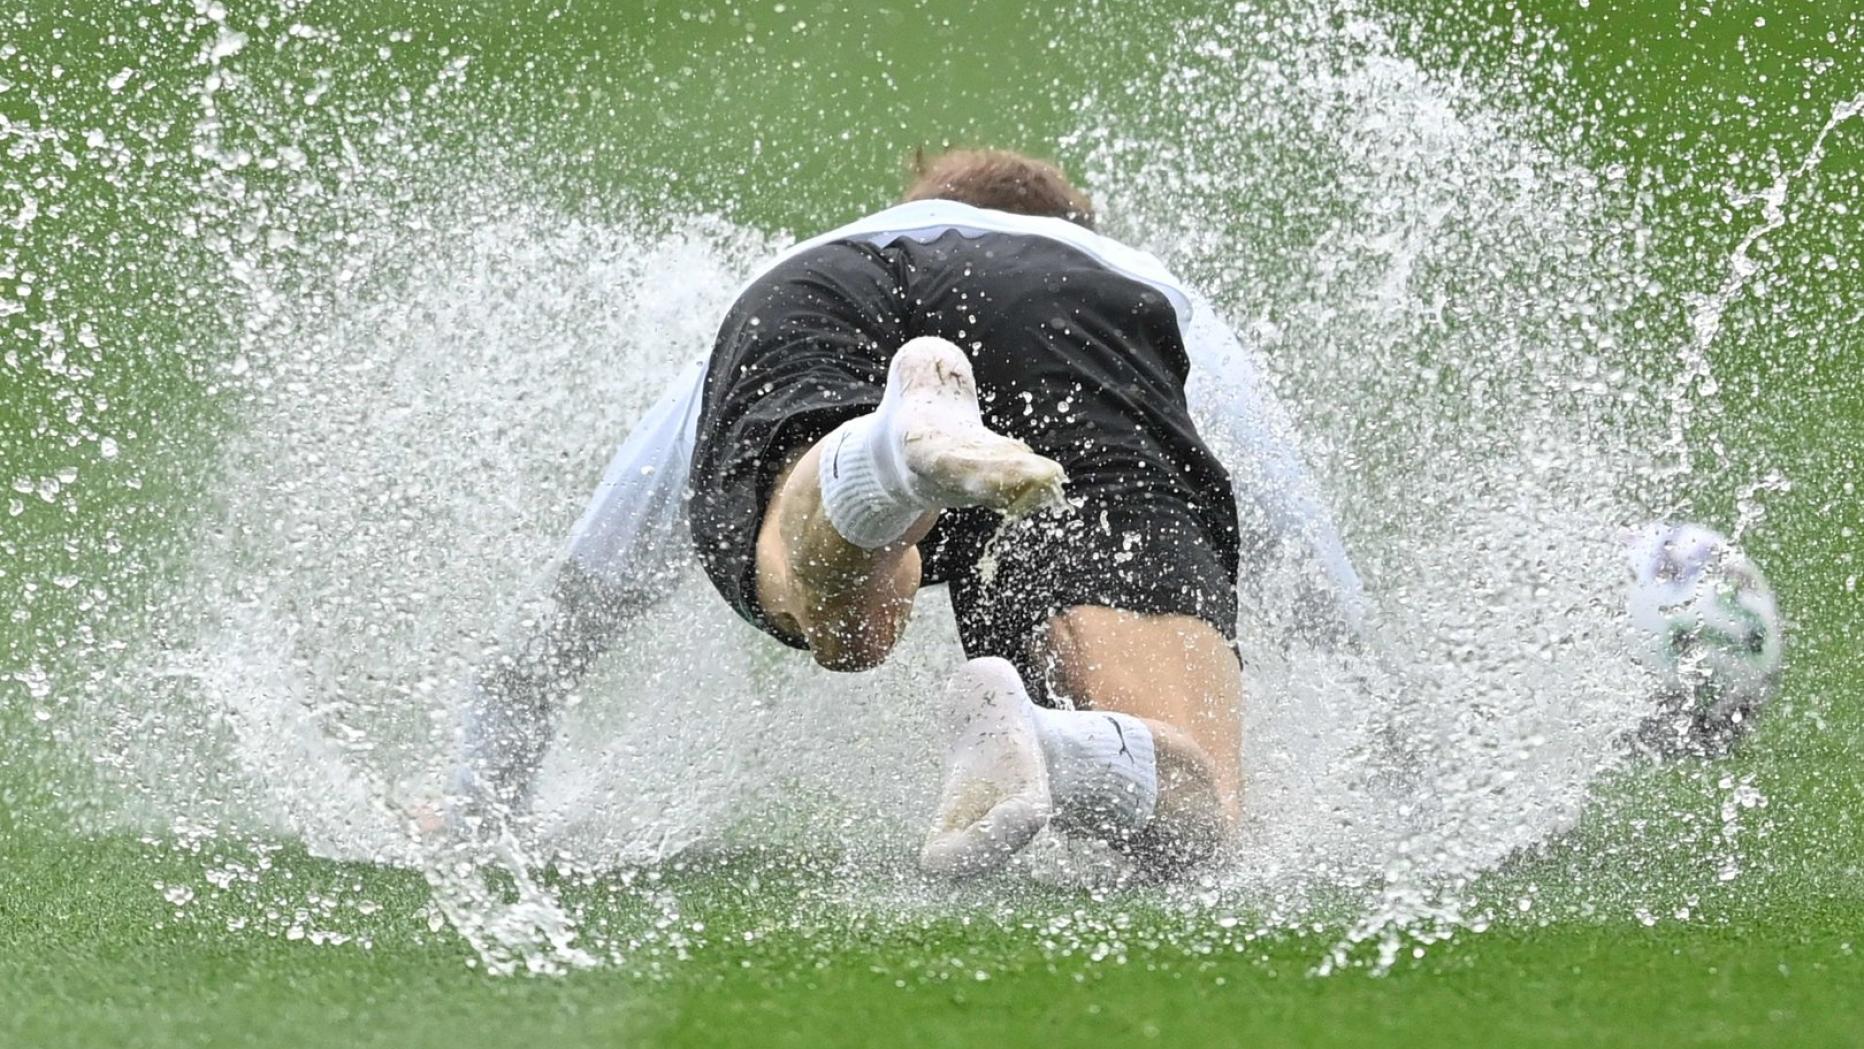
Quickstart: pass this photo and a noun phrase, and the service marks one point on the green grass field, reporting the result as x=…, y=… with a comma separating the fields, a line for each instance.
x=601, y=105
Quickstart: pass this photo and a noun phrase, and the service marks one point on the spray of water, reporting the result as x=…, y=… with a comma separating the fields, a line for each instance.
x=1436, y=292
x=422, y=367
x=1452, y=307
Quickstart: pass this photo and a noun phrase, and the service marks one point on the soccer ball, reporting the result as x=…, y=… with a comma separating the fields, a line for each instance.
x=1706, y=626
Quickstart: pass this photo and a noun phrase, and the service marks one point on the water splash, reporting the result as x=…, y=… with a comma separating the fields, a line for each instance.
x=421, y=366
x=1695, y=383
x=1436, y=294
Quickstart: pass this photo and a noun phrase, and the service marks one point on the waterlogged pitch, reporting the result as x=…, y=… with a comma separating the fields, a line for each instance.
x=319, y=321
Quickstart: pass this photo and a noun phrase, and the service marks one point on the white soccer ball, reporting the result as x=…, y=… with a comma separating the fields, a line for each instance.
x=1707, y=628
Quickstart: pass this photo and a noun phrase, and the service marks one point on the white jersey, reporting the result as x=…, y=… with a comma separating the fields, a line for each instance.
x=633, y=536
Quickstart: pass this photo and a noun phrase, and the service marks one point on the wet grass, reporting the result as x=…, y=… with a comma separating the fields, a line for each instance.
x=95, y=956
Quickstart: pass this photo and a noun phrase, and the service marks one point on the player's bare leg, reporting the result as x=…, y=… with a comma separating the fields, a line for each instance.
x=1180, y=677
x=847, y=603
x=836, y=561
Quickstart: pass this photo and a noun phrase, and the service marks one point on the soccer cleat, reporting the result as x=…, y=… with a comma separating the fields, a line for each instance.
x=996, y=792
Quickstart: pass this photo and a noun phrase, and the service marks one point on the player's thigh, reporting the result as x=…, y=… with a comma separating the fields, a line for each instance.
x=1165, y=667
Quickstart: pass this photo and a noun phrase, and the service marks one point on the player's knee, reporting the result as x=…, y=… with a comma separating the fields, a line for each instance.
x=848, y=658
x=1168, y=849
x=851, y=646
x=1193, y=819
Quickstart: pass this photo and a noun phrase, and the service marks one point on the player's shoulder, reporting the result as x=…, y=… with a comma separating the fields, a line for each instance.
x=924, y=221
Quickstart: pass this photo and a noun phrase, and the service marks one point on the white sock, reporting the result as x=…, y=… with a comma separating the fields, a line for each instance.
x=1103, y=773
x=996, y=792
x=867, y=490
x=873, y=491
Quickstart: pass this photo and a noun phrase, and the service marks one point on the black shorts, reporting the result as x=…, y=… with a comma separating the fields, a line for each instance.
x=1084, y=364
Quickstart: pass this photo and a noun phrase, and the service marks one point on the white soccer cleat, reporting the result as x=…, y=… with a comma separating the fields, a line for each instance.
x=996, y=793
x=954, y=459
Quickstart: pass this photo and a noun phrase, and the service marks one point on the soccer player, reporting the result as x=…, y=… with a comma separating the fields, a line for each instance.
x=971, y=388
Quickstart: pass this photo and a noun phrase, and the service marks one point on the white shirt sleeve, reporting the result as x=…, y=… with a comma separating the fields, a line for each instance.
x=633, y=535
x=1295, y=568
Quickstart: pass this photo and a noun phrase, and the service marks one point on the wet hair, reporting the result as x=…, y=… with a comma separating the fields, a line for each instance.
x=999, y=179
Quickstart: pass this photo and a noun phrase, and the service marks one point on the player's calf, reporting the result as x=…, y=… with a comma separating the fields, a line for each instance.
x=836, y=564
